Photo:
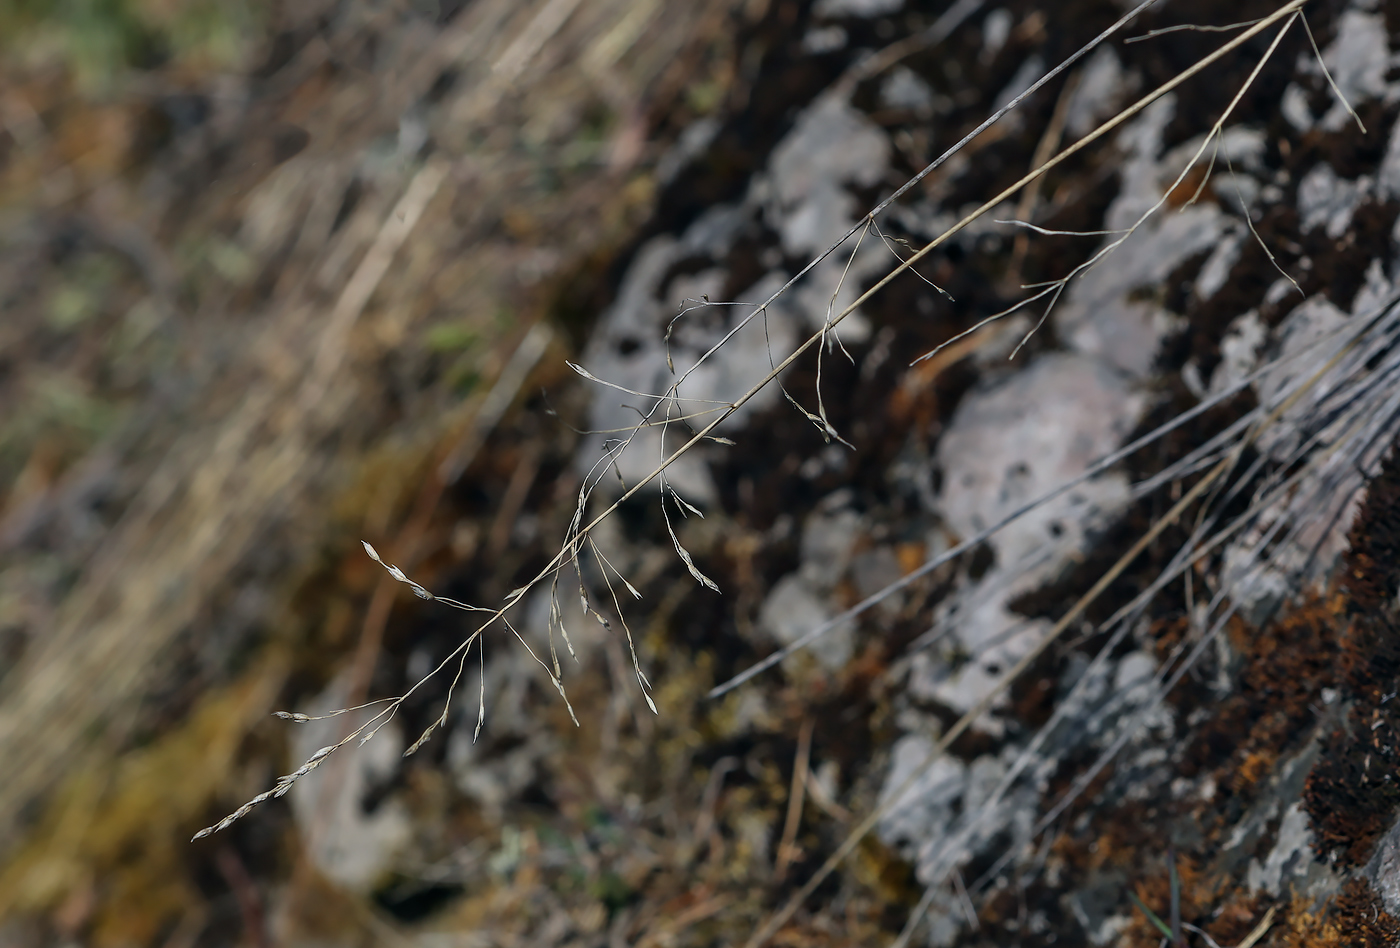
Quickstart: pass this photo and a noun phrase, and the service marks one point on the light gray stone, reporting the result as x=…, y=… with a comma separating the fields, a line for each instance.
x=831, y=144
x=1289, y=862
x=875, y=569
x=1297, y=541
x=793, y=608
x=1309, y=337
x=1295, y=108
x=804, y=195
x=827, y=539
x=1024, y=77
x=824, y=39
x=629, y=350
x=1239, y=351
x=832, y=9
x=1101, y=90
x=904, y=89
x=926, y=807
x=354, y=847
x=1388, y=178
x=1358, y=60
x=1218, y=265
x=1384, y=870
x=1325, y=200
x=1026, y=435
x=1007, y=444
x=996, y=30
x=801, y=601
x=1103, y=315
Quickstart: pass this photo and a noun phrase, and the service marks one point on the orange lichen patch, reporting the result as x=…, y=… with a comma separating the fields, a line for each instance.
x=1184, y=192
x=1137, y=850
x=1107, y=843
x=1327, y=647
x=1287, y=664
x=915, y=398
x=1353, y=919
x=910, y=556
x=1033, y=699
x=1167, y=635
x=1255, y=767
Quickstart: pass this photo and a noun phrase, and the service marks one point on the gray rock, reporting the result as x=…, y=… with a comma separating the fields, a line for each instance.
x=1358, y=60
x=827, y=539
x=834, y=284
x=1388, y=178
x=352, y=846
x=1140, y=141
x=1290, y=866
x=824, y=39
x=793, y=609
x=1028, y=434
x=925, y=809
x=1007, y=444
x=629, y=350
x=1298, y=540
x=1218, y=265
x=1102, y=314
x=801, y=601
x=1307, y=340
x=996, y=30
x=804, y=196
x=832, y=9
x=831, y=144
x=1295, y=108
x=1237, y=192
x=875, y=569
x=1239, y=351
x=904, y=89
x=1024, y=77
x=1101, y=90
x=1325, y=200
x=1384, y=870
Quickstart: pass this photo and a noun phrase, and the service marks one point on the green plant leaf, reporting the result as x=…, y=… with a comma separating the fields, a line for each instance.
x=1161, y=926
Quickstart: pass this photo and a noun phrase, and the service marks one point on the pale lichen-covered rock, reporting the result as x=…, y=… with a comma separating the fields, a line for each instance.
x=355, y=845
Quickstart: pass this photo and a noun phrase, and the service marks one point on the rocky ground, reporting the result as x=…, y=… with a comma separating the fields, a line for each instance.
x=324, y=283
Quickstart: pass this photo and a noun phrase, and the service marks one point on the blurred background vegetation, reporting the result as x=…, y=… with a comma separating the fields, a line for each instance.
x=102, y=44
x=262, y=266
